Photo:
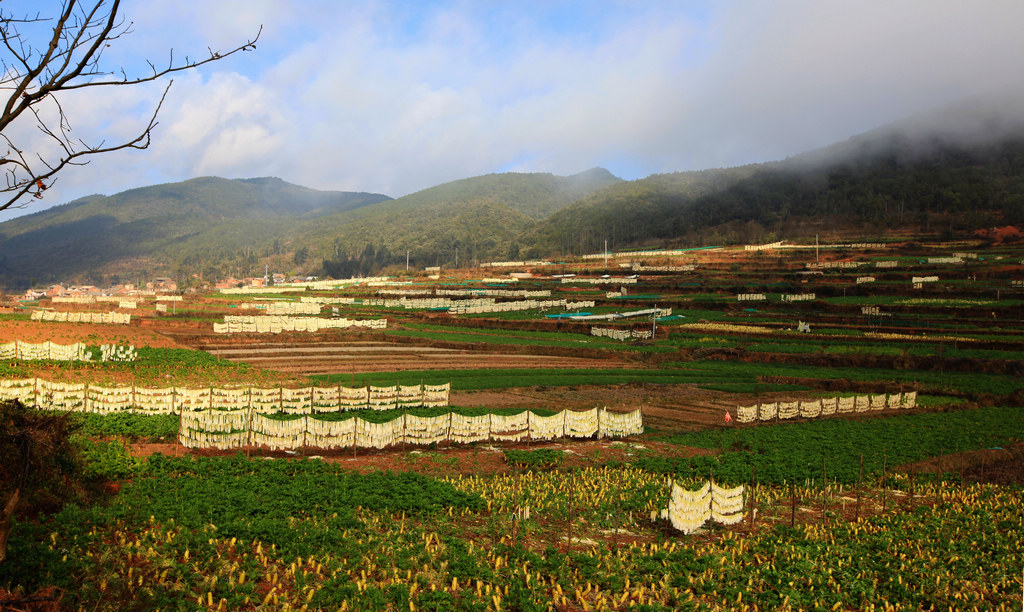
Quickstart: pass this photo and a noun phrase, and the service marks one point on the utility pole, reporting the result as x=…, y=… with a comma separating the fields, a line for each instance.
x=817, y=259
x=606, y=255
x=456, y=257
x=407, y=260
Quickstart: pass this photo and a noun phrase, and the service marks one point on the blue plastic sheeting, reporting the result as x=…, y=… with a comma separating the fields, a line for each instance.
x=750, y=310
x=566, y=316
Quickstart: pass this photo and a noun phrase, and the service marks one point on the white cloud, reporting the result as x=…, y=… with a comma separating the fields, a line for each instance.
x=225, y=125
x=401, y=118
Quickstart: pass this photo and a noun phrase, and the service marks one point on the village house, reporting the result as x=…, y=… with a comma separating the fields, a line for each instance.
x=162, y=283
x=126, y=289
x=32, y=294
x=83, y=290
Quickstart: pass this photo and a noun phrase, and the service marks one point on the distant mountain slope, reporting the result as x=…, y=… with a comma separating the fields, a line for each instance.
x=154, y=230
x=956, y=169
x=952, y=170
x=480, y=216
x=534, y=194
x=628, y=213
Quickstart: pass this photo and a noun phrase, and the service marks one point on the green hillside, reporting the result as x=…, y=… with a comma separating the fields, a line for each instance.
x=480, y=216
x=168, y=229
x=214, y=228
x=628, y=213
x=882, y=182
x=947, y=172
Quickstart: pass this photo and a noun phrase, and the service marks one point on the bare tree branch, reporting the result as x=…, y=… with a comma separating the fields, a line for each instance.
x=34, y=77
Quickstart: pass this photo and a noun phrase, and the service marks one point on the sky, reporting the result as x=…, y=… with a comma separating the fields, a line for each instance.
x=395, y=96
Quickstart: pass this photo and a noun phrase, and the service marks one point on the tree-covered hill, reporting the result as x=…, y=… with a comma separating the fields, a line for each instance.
x=627, y=213
x=213, y=227
x=884, y=181
x=946, y=172
x=161, y=230
x=480, y=216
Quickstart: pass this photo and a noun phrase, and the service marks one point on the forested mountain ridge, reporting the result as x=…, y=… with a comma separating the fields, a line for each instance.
x=883, y=181
x=945, y=173
x=472, y=219
x=162, y=229
x=623, y=214
x=212, y=228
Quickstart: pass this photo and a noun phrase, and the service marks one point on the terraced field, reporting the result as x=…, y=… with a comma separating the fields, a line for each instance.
x=326, y=357
x=574, y=524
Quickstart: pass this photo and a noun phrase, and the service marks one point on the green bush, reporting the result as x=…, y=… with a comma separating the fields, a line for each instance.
x=106, y=460
x=543, y=459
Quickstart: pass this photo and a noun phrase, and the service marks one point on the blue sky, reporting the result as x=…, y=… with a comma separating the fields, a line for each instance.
x=397, y=96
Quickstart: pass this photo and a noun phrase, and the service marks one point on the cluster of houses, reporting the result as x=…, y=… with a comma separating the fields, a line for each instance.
x=157, y=285
x=261, y=281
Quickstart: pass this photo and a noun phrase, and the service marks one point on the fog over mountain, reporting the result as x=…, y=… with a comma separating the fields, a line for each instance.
x=948, y=170
x=974, y=122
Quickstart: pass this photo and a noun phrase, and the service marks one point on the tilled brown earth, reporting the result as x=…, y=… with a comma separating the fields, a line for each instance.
x=90, y=333
x=1004, y=465
x=371, y=356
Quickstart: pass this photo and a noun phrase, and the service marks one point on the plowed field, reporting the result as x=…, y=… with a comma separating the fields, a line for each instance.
x=308, y=358
x=90, y=333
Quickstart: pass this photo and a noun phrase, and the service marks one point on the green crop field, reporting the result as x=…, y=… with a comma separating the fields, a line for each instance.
x=234, y=533
x=911, y=509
